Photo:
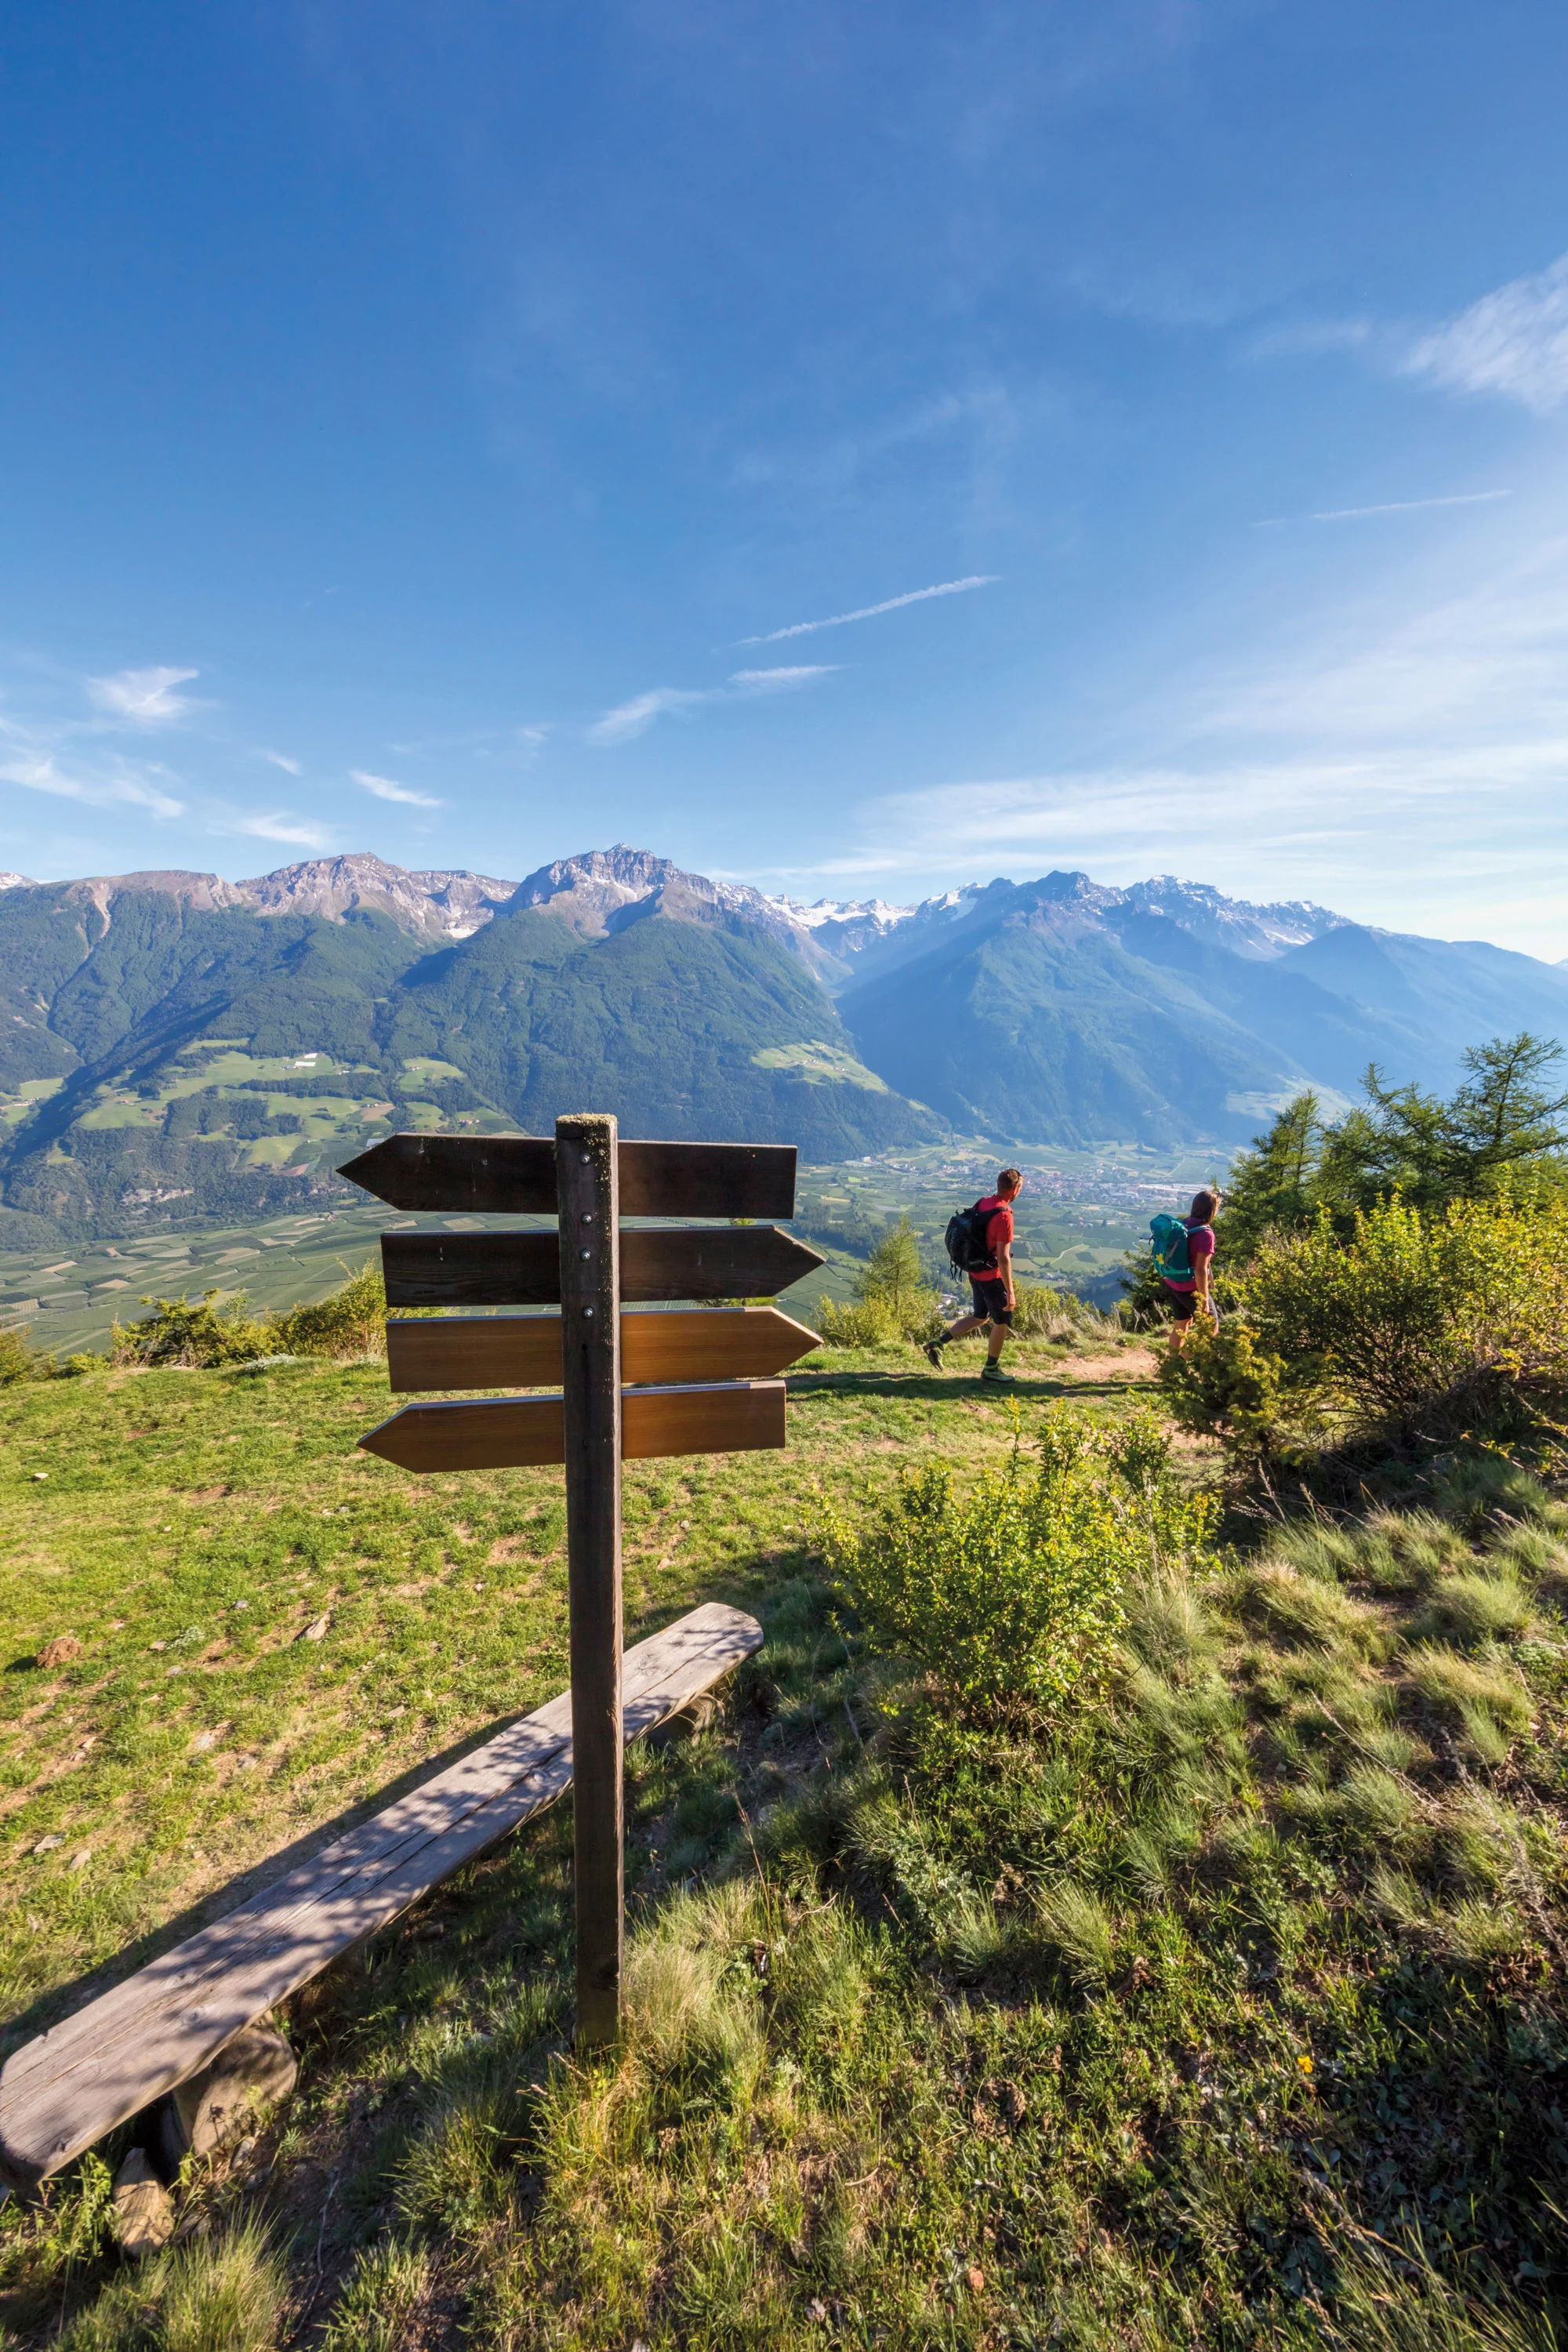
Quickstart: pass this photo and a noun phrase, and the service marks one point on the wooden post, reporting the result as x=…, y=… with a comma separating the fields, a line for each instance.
x=589, y=1209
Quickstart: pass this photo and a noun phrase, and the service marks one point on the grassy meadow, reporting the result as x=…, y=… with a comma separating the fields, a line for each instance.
x=1225, y=2005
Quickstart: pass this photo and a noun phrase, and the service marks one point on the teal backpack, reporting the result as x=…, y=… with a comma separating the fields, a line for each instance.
x=1170, y=1246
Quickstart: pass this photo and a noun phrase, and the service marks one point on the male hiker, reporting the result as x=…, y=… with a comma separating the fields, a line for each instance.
x=1183, y=1247
x=988, y=1262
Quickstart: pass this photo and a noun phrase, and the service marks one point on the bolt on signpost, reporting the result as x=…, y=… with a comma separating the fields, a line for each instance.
x=698, y=1374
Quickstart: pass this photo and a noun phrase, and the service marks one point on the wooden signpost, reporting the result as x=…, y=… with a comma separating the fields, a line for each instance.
x=704, y=1371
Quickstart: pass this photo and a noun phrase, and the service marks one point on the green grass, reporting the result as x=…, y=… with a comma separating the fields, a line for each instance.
x=1228, y=2012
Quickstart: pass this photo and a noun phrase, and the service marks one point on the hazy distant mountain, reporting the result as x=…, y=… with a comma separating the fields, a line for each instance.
x=870, y=935
x=1059, y=1011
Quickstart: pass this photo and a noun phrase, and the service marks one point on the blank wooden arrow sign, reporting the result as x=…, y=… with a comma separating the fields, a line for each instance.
x=425, y=1269
x=523, y=1352
x=514, y=1175
x=526, y=1433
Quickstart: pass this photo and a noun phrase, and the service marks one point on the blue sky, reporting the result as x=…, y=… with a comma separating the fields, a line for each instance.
x=432, y=428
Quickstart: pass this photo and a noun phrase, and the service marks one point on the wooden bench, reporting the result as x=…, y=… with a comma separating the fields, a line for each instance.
x=64, y=2090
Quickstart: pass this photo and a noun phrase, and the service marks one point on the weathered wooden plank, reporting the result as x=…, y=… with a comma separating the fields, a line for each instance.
x=517, y=1269
x=585, y=1176
x=501, y=1175
x=523, y=1352
x=65, y=2089
x=523, y=1433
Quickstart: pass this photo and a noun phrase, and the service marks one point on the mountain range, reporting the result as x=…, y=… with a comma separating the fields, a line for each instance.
x=173, y=1046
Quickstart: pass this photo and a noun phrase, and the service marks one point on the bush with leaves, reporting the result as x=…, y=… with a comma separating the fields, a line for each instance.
x=351, y=1322
x=1008, y=1596
x=196, y=1333
x=1435, y=1325
x=864, y=1323
x=202, y=1335
x=1224, y=1384
x=17, y=1361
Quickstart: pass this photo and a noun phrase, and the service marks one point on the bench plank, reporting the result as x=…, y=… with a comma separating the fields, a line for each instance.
x=65, y=2089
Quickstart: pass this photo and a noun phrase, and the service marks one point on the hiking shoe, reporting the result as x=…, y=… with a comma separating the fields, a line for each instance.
x=996, y=1378
x=933, y=1348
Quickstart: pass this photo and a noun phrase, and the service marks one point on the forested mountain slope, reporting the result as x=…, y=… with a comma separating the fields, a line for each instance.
x=167, y=1053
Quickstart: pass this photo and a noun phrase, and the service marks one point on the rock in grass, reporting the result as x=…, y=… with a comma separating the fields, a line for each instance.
x=59, y=1651
x=48, y=1844
x=253, y=2071
x=314, y=1631
x=143, y=2210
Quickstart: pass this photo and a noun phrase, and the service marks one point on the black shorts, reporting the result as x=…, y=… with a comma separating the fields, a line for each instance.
x=1184, y=1304
x=991, y=1297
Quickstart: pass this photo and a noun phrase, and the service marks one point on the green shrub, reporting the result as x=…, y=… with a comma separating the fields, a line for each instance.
x=866, y=1325
x=17, y=1359
x=202, y=1335
x=1227, y=1386
x=1480, y=1696
x=1009, y=1596
x=351, y=1322
x=1476, y=1608
x=1441, y=1325
x=226, y=2294
x=196, y=1334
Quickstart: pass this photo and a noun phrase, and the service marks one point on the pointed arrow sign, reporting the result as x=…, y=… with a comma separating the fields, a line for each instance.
x=482, y=1351
x=520, y=1269
x=514, y=1175
x=520, y=1432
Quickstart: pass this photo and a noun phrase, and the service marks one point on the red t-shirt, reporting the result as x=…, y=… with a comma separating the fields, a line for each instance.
x=1200, y=1245
x=998, y=1231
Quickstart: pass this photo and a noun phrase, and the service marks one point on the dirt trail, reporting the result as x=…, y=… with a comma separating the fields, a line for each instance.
x=1126, y=1364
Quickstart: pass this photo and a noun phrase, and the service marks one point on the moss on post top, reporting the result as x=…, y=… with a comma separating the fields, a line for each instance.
x=593, y=1133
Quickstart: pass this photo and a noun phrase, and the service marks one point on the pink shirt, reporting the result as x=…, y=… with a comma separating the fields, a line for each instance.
x=1200, y=1247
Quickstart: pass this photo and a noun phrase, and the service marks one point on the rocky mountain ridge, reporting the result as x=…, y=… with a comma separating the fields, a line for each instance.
x=597, y=892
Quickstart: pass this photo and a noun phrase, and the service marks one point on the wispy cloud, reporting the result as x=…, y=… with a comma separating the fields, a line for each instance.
x=278, y=824
x=386, y=789
x=870, y=611
x=281, y=760
x=632, y=719
x=40, y=774
x=1404, y=759
x=1390, y=506
x=143, y=697
x=1513, y=342
x=629, y=720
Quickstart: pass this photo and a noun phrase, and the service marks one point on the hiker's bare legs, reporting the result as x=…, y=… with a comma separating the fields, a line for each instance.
x=968, y=1323
x=1202, y=1305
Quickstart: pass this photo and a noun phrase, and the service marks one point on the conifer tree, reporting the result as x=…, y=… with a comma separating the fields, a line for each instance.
x=1272, y=1187
x=893, y=1278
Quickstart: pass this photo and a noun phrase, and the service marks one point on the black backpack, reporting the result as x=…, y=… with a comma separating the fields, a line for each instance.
x=966, y=1242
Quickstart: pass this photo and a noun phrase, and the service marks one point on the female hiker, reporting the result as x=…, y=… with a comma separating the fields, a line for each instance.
x=1184, y=1269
